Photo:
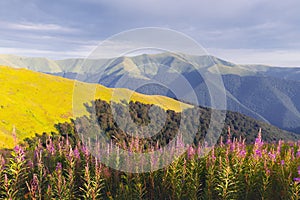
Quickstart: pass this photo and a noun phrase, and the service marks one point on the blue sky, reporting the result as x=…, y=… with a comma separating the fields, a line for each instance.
x=256, y=31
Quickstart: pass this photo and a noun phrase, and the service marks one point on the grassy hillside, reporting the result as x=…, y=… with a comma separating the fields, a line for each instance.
x=33, y=102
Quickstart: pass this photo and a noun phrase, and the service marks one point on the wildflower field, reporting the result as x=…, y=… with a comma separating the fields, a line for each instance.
x=59, y=167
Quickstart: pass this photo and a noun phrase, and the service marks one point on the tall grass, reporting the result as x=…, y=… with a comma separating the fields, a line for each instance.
x=59, y=169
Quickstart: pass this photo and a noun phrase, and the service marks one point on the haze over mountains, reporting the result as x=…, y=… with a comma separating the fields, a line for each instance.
x=266, y=93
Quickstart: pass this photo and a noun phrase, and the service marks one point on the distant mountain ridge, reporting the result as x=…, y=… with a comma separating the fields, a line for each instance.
x=96, y=65
x=266, y=93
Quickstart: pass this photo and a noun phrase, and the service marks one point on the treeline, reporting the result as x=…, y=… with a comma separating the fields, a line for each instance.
x=122, y=122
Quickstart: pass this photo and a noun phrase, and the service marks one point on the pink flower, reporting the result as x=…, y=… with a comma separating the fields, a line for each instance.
x=190, y=152
x=242, y=153
x=199, y=151
x=20, y=154
x=50, y=146
x=297, y=180
x=279, y=147
x=257, y=150
x=18, y=149
x=298, y=153
x=272, y=156
x=232, y=146
x=76, y=153
x=85, y=150
x=213, y=157
x=221, y=142
x=58, y=167
x=258, y=153
x=34, y=183
x=258, y=141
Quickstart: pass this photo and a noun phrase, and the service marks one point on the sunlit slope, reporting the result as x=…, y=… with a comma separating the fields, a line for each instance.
x=33, y=102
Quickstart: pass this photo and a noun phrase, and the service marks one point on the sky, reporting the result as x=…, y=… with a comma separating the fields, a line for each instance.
x=240, y=31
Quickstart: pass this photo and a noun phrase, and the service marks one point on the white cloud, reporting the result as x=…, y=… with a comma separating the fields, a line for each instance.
x=281, y=58
x=36, y=27
x=81, y=52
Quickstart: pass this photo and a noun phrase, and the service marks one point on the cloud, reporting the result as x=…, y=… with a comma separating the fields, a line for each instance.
x=36, y=27
x=81, y=52
x=279, y=58
x=66, y=25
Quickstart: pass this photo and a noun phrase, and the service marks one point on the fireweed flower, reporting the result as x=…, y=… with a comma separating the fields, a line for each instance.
x=258, y=153
x=297, y=180
x=279, y=147
x=199, y=151
x=190, y=152
x=282, y=162
x=20, y=154
x=50, y=146
x=241, y=149
x=228, y=135
x=30, y=164
x=242, y=153
x=85, y=150
x=213, y=157
x=232, y=146
x=60, y=147
x=5, y=179
x=292, y=153
x=267, y=170
x=70, y=155
x=272, y=156
x=221, y=142
x=238, y=146
x=227, y=155
x=58, y=167
x=258, y=141
x=76, y=153
x=298, y=153
x=257, y=149
x=34, y=184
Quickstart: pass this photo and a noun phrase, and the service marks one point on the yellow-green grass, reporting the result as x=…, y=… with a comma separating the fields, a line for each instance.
x=34, y=102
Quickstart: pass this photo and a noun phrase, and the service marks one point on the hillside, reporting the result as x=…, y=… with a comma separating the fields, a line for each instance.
x=33, y=102
x=269, y=94
x=266, y=93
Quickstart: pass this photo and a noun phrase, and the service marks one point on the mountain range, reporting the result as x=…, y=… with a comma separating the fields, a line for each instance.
x=34, y=103
x=270, y=94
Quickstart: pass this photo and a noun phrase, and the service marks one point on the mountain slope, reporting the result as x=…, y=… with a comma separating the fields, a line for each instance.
x=33, y=102
x=274, y=99
x=270, y=94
